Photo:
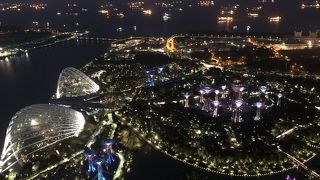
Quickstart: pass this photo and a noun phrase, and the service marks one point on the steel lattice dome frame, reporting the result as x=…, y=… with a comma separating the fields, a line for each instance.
x=72, y=82
x=35, y=128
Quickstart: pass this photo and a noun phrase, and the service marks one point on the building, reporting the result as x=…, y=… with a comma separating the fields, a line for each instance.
x=35, y=130
x=72, y=83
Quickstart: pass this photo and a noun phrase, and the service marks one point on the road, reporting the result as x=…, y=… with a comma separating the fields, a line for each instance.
x=299, y=163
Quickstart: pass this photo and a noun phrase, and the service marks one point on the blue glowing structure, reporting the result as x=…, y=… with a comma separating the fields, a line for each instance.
x=90, y=155
x=160, y=71
x=148, y=76
x=150, y=80
x=99, y=163
x=107, y=145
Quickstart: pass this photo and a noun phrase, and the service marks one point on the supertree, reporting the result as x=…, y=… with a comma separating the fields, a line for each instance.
x=148, y=76
x=290, y=178
x=99, y=163
x=216, y=92
x=279, y=95
x=206, y=101
x=216, y=105
x=107, y=147
x=186, y=95
x=223, y=87
x=237, y=111
x=237, y=89
x=263, y=90
x=240, y=93
x=160, y=71
x=258, y=105
x=202, y=92
x=90, y=155
x=151, y=80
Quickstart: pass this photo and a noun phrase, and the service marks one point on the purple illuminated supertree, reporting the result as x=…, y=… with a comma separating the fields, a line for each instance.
x=241, y=90
x=215, y=106
x=237, y=111
x=263, y=90
x=206, y=101
x=90, y=155
x=186, y=101
x=216, y=92
x=107, y=147
x=258, y=105
x=290, y=178
x=279, y=95
x=202, y=92
x=99, y=163
x=223, y=87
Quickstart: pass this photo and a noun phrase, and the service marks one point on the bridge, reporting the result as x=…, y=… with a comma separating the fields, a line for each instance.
x=96, y=38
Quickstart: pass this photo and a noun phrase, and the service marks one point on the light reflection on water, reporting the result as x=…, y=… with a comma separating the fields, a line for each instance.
x=10, y=64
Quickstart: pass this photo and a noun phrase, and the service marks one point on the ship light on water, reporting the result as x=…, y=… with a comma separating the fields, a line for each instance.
x=275, y=19
x=147, y=12
x=222, y=19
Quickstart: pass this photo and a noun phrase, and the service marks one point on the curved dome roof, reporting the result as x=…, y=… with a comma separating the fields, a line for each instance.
x=36, y=128
x=72, y=82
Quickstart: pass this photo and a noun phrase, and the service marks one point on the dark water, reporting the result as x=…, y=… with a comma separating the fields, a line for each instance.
x=190, y=19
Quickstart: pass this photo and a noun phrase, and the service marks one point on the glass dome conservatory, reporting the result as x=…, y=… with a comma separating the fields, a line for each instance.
x=36, y=128
x=72, y=82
